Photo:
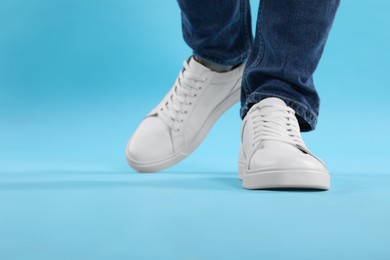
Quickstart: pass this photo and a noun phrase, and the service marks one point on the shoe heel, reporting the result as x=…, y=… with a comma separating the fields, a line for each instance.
x=241, y=170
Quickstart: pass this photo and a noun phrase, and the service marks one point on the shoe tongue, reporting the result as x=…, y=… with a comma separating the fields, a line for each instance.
x=271, y=102
x=268, y=104
x=197, y=68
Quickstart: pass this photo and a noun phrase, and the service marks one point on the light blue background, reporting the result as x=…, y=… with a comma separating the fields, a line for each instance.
x=76, y=78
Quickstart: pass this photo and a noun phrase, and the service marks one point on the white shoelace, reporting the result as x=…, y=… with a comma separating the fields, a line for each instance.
x=183, y=94
x=277, y=123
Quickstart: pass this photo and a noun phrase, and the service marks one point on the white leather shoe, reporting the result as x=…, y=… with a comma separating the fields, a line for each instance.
x=174, y=128
x=273, y=154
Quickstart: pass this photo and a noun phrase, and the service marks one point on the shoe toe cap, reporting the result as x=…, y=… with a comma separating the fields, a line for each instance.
x=285, y=157
x=150, y=142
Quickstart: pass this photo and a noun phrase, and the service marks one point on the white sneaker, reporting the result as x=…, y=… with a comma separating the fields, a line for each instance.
x=273, y=154
x=174, y=128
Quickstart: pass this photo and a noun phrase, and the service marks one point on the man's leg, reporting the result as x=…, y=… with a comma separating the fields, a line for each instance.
x=290, y=38
x=209, y=84
x=218, y=31
x=278, y=96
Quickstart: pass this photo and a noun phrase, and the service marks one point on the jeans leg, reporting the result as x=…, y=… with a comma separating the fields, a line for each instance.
x=218, y=31
x=289, y=41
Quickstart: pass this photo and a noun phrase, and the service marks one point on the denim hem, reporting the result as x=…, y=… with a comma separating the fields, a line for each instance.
x=306, y=117
x=234, y=61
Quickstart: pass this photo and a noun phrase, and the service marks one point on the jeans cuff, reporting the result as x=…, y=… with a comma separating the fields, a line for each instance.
x=226, y=62
x=307, y=118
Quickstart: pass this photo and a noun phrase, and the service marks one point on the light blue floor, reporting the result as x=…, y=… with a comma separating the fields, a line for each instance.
x=76, y=78
x=189, y=215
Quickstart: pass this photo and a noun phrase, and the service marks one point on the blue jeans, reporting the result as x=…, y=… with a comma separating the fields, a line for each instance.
x=280, y=61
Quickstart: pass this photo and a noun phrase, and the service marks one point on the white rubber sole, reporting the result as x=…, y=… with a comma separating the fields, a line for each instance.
x=173, y=159
x=283, y=179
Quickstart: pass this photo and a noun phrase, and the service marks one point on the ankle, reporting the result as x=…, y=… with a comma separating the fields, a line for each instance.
x=214, y=66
